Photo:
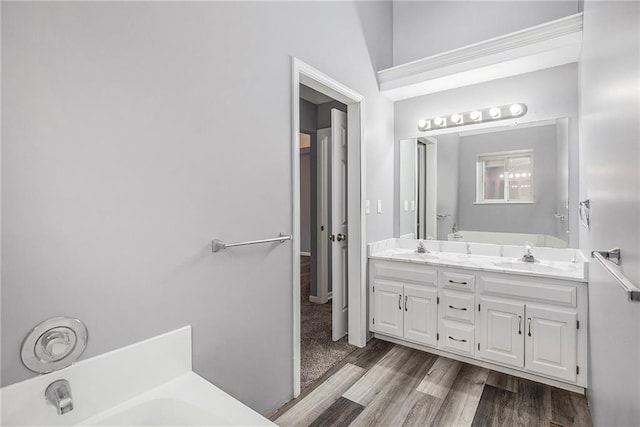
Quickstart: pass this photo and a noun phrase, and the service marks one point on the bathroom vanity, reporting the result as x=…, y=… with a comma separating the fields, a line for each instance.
x=482, y=304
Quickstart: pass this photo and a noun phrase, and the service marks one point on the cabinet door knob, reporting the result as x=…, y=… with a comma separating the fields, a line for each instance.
x=332, y=237
x=341, y=237
x=405, y=303
x=519, y=325
x=529, y=321
x=399, y=302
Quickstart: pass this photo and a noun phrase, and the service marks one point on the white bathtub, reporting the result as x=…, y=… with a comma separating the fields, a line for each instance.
x=519, y=239
x=149, y=383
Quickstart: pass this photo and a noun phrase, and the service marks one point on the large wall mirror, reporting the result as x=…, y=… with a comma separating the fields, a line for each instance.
x=506, y=185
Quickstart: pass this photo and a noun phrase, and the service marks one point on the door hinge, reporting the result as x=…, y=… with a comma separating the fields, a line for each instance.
x=374, y=289
x=322, y=228
x=437, y=337
x=438, y=300
x=577, y=324
x=577, y=370
x=478, y=307
x=478, y=346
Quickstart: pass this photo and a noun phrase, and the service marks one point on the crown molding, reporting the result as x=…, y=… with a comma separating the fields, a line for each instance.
x=543, y=46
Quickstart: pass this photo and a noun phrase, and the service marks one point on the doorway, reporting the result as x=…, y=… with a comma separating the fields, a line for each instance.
x=323, y=230
x=345, y=239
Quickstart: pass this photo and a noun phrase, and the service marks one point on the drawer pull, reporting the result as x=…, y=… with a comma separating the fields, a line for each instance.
x=455, y=339
x=457, y=283
x=458, y=308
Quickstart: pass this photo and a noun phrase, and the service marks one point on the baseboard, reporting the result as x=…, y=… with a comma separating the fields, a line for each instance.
x=317, y=300
x=305, y=253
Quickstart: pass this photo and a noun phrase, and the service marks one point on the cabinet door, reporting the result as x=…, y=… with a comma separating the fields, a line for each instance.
x=389, y=308
x=421, y=314
x=502, y=331
x=551, y=342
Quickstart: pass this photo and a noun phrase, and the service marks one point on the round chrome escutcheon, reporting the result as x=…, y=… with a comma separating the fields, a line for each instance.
x=54, y=344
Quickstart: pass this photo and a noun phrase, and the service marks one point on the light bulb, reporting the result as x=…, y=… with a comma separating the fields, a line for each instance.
x=457, y=119
x=510, y=175
x=501, y=175
x=515, y=109
x=494, y=112
x=424, y=124
x=475, y=116
x=439, y=121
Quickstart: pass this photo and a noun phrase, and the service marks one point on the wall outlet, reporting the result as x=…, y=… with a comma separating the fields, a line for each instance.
x=406, y=206
x=413, y=205
x=379, y=206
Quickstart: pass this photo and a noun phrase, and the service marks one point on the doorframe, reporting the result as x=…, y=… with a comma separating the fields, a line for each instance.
x=356, y=245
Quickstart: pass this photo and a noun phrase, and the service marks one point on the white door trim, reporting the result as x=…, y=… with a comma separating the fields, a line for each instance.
x=309, y=76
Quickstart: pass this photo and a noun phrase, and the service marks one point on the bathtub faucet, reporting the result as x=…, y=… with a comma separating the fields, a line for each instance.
x=58, y=393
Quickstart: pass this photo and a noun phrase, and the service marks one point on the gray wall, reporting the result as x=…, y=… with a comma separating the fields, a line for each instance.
x=536, y=217
x=610, y=108
x=425, y=28
x=139, y=131
x=448, y=153
x=549, y=94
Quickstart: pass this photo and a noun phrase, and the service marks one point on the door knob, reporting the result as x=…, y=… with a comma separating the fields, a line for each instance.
x=341, y=237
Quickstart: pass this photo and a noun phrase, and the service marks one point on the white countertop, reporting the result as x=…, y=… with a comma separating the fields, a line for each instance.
x=564, y=264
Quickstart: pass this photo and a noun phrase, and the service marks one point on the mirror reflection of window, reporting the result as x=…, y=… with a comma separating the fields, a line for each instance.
x=505, y=177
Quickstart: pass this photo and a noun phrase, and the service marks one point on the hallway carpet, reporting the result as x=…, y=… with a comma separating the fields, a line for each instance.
x=318, y=352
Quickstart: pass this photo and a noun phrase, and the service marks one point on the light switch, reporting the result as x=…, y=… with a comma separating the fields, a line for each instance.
x=367, y=207
x=379, y=206
x=406, y=206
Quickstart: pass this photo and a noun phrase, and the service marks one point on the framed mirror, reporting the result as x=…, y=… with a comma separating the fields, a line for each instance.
x=503, y=185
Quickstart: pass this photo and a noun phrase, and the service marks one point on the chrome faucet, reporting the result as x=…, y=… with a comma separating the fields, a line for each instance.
x=422, y=249
x=58, y=393
x=528, y=256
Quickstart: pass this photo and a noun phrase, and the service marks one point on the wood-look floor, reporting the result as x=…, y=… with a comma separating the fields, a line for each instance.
x=385, y=384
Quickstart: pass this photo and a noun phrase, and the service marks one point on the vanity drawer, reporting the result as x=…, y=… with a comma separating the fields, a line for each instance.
x=458, y=281
x=565, y=295
x=458, y=306
x=458, y=338
x=405, y=272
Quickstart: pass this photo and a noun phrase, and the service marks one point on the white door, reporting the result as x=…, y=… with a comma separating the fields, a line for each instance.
x=551, y=342
x=421, y=314
x=388, y=318
x=502, y=331
x=339, y=283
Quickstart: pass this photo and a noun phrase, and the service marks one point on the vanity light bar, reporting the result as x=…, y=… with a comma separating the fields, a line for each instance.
x=490, y=114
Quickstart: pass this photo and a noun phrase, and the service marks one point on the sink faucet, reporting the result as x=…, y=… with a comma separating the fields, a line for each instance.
x=422, y=249
x=58, y=393
x=528, y=256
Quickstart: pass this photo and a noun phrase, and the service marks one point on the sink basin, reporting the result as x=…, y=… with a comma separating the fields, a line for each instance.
x=535, y=267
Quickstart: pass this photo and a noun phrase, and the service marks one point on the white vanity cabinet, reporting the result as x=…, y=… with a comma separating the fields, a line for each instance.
x=405, y=302
x=525, y=325
x=531, y=324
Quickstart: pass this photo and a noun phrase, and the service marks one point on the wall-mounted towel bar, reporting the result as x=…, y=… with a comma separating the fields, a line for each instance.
x=609, y=259
x=218, y=245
